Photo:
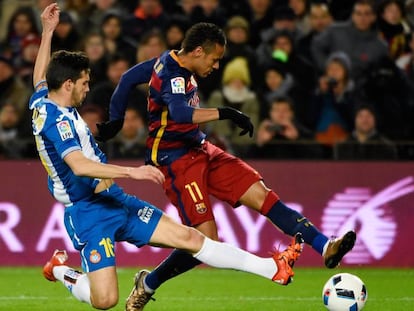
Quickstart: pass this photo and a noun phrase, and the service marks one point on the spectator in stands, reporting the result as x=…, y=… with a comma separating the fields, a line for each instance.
x=21, y=24
x=391, y=93
x=114, y=40
x=280, y=135
x=357, y=38
x=130, y=142
x=261, y=18
x=175, y=31
x=100, y=94
x=12, y=89
x=13, y=143
x=92, y=115
x=78, y=10
x=284, y=19
x=93, y=46
x=406, y=61
x=331, y=108
x=92, y=20
x=148, y=15
x=208, y=11
x=277, y=82
x=319, y=19
x=30, y=48
x=393, y=27
x=235, y=93
x=151, y=45
x=65, y=36
x=365, y=142
x=237, y=34
x=301, y=10
x=282, y=48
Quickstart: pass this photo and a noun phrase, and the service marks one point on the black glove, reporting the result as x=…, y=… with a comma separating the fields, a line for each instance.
x=109, y=129
x=239, y=118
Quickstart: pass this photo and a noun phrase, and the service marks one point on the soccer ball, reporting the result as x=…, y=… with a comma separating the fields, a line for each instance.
x=344, y=292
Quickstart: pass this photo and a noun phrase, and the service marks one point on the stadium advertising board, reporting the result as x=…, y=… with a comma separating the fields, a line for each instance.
x=375, y=199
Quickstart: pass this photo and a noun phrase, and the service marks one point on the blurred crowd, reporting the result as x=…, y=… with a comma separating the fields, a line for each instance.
x=320, y=79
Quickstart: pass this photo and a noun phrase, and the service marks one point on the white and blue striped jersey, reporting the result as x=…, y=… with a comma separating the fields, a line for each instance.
x=59, y=131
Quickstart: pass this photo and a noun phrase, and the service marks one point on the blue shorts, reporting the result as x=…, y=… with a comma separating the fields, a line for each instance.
x=108, y=217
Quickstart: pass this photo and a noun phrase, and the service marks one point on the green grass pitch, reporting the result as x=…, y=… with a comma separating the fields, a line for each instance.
x=214, y=289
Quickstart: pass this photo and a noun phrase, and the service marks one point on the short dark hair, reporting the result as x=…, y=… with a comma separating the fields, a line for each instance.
x=206, y=35
x=65, y=65
x=283, y=99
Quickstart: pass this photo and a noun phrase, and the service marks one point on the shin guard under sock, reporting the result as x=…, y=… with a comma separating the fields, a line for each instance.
x=291, y=222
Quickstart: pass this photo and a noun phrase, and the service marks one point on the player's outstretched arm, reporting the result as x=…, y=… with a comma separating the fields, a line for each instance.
x=82, y=166
x=50, y=19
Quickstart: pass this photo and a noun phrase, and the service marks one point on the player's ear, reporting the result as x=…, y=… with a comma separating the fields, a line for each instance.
x=68, y=84
x=198, y=51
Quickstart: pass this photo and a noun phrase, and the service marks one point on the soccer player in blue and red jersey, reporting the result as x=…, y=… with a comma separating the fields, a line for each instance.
x=193, y=167
x=97, y=212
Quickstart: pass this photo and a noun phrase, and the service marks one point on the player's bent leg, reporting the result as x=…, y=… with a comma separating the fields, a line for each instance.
x=104, y=288
x=76, y=282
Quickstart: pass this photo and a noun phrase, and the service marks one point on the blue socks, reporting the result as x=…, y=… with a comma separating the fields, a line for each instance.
x=178, y=262
x=292, y=222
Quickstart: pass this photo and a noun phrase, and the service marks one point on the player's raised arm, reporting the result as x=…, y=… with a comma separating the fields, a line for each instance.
x=50, y=19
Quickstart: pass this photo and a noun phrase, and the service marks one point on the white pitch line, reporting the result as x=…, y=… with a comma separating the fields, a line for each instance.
x=276, y=298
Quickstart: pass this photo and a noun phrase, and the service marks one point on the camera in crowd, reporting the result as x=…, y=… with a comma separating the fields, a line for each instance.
x=332, y=83
x=274, y=127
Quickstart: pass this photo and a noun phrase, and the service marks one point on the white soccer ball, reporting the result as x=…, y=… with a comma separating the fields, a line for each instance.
x=344, y=292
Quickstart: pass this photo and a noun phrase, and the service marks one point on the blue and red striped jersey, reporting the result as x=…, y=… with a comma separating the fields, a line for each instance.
x=171, y=99
x=171, y=86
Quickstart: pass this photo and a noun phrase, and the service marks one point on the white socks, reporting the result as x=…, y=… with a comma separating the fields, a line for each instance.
x=76, y=282
x=223, y=255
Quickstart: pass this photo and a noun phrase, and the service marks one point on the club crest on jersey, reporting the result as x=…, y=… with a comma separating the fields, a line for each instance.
x=201, y=208
x=64, y=130
x=94, y=257
x=178, y=85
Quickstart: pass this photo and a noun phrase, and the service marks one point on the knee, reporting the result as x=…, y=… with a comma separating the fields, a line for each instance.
x=192, y=240
x=104, y=302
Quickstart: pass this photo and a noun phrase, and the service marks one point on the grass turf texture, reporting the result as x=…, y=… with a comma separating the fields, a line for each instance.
x=214, y=289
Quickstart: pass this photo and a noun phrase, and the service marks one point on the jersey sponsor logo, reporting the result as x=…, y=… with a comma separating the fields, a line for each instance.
x=145, y=214
x=194, y=101
x=64, y=130
x=94, y=257
x=178, y=85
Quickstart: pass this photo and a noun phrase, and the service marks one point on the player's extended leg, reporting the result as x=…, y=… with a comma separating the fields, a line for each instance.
x=265, y=201
x=98, y=288
x=220, y=255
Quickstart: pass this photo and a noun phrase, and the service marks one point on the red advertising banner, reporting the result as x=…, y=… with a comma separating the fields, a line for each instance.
x=375, y=199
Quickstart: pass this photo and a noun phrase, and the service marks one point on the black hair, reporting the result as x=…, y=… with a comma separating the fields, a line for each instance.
x=283, y=99
x=29, y=13
x=206, y=35
x=65, y=65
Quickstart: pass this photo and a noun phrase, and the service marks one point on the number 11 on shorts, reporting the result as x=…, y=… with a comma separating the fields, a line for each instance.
x=194, y=191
